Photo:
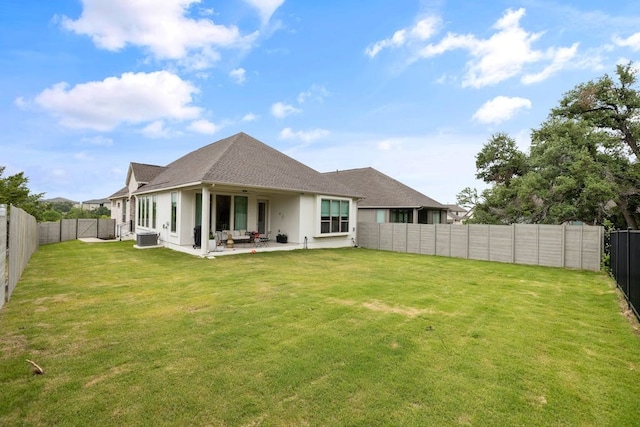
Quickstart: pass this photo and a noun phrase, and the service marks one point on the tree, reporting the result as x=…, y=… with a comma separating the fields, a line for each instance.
x=14, y=191
x=582, y=164
x=613, y=108
x=500, y=161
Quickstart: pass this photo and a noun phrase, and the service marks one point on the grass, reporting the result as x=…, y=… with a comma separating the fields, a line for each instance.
x=319, y=337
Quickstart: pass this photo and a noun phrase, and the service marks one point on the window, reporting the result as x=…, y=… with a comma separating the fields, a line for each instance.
x=403, y=216
x=334, y=216
x=174, y=212
x=154, y=205
x=147, y=211
x=436, y=217
x=240, y=204
x=380, y=216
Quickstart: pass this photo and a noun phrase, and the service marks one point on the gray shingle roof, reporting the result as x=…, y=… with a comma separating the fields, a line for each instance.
x=123, y=192
x=242, y=160
x=145, y=173
x=382, y=191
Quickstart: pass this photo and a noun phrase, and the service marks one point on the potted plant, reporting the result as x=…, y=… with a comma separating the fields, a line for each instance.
x=281, y=238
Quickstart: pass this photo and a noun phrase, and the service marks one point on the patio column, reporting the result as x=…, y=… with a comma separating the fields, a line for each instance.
x=206, y=226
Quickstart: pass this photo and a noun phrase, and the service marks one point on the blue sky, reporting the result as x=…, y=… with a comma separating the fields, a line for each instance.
x=411, y=88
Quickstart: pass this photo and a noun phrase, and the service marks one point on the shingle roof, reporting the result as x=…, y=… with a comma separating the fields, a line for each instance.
x=242, y=160
x=382, y=191
x=123, y=192
x=145, y=173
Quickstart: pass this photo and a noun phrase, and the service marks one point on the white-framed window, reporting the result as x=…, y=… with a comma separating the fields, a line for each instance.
x=174, y=212
x=147, y=211
x=334, y=216
x=154, y=210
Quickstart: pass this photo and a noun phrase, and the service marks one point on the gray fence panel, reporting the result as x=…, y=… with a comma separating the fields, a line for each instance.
x=106, y=228
x=443, y=240
x=501, y=241
x=459, y=242
x=591, y=258
x=23, y=242
x=399, y=242
x=551, y=245
x=573, y=243
x=479, y=241
x=68, y=229
x=49, y=232
x=368, y=235
x=427, y=239
x=526, y=238
x=413, y=238
x=385, y=239
x=3, y=254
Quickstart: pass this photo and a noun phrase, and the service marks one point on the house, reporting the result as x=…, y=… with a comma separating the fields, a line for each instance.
x=95, y=204
x=457, y=214
x=237, y=184
x=388, y=200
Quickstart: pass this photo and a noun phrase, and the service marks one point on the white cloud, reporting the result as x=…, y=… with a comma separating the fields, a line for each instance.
x=238, y=75
x=162, y=27
x=423, y=30
x=500, y=109
x=281, y=110
x=315, y=92
x=560, y=60
x=250, y=117
x=204, y=126
x=633, y=41
x=304, y=136
x=505, y=54
x=130, y=98
x=265, y=8
x=156, y=130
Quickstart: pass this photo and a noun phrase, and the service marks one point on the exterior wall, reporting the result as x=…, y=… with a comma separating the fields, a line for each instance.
x=369, y=215
x=310, y=224
x=286, y=217
x=297, y=216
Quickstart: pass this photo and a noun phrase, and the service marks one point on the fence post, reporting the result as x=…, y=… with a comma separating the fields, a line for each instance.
x=629, y=266
x=3, y=254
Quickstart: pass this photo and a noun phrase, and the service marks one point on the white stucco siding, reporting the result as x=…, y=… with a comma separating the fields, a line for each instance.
x=310, y=206
x=285, y=216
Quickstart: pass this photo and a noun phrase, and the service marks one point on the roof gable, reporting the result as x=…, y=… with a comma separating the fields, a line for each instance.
x=381, y=190
x=143, y=173
x=242, y=160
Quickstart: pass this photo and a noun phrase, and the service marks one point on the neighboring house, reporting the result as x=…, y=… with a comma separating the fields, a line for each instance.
x=96, y=203
x=237, y=183
x=388, y=200
x=457, y=214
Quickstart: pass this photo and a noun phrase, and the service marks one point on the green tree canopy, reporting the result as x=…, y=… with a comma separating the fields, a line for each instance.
x=14, y=191
x=582, y=164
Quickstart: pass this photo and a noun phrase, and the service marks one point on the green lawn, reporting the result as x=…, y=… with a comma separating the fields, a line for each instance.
x=317, y=337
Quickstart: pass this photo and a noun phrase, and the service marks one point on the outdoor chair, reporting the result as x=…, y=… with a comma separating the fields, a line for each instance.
x=263, y=239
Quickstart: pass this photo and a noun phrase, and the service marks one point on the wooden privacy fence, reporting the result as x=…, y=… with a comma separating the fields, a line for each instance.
x=23, y=242
x=71, y=229
x=572, y=246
